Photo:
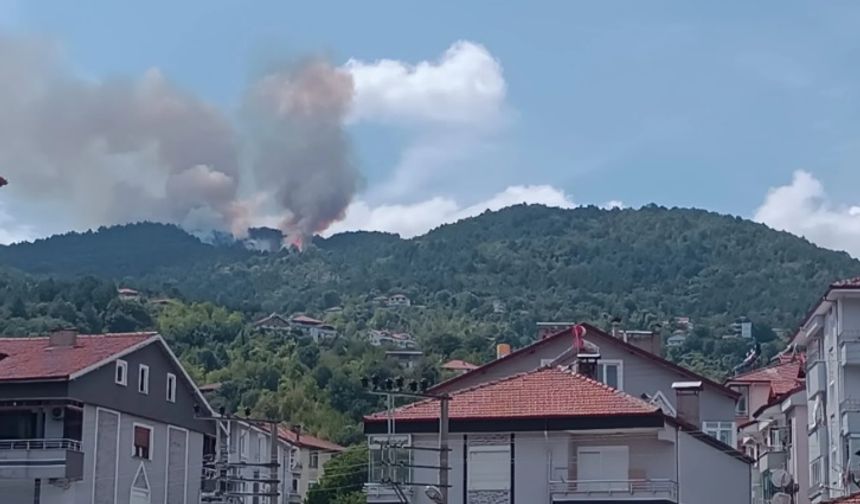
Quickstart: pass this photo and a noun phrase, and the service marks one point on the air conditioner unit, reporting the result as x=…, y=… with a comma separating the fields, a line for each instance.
x=58, y=413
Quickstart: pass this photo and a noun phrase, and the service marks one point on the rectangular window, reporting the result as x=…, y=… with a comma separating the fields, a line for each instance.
x=143, y=379
x=314, y=460
x=295, y=485
x=261, y=449
x=489, y=467
x=774, y=440
x=815, y=473
x=121, y=373
x=171, y=387
x=724, y=431
x=142, y=442
x=611, y=373
x=244, y=447
x=741, y=408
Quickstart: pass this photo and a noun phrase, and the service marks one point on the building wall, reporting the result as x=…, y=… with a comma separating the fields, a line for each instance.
x=310, y=475
x=640, y=375
x=799, y=463
x=99, y=388
x=709, y=476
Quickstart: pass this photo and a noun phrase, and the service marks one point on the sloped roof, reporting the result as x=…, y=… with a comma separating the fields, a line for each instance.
x=782, y=377
x=850, y=499
x=591, y=330
x=304, y=319
x=35, y=359
x=459, y=365
x=542, y=393
x=307, y=441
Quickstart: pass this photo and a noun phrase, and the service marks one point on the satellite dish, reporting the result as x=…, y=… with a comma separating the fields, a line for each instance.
x=780, y=498
x=433, y=494
x=780, y=478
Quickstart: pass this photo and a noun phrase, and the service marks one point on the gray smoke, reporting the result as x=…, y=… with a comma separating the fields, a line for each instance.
x=120, y=150
x=300, y=146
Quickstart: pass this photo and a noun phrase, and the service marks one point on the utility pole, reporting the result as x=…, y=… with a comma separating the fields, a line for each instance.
x=443, y=448
x=273, y=468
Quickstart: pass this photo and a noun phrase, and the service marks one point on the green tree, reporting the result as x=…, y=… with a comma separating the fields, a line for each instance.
x=343, y=480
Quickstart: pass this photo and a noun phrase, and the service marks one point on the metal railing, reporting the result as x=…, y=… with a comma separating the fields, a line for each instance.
x=40, y=444
x=850, y=404
x=617, y=488
x=850, y=334
x=382, y=490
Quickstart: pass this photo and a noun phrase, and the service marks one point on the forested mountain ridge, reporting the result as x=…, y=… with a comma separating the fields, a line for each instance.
x=473, y=284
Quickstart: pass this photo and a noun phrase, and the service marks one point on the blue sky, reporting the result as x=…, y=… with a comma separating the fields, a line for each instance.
x=705, y=104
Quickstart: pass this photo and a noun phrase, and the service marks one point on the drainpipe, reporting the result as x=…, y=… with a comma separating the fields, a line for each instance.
x=548, y=465
x=678, y=463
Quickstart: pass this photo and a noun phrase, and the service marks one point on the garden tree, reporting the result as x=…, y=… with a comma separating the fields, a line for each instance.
x=126, y=316
x=343, y=479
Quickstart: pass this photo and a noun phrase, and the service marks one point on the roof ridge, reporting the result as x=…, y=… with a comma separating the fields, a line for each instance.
x=96, y=335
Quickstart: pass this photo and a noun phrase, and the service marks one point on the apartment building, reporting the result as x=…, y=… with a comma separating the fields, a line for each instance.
x=760, y=387
x=831, y=337
x=633, y=368
x=99, y=419
x=311, y=453
x=551, y=435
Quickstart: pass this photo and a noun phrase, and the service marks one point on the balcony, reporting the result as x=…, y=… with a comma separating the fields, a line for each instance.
x=850, y=352
x=41, y=458
x=816, y=378
x=774, y=459
x=614, y=490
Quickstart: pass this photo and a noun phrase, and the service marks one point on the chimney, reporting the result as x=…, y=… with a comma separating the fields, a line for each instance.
x=502, y=350
x=616, y=325
x=63, y=338
x=586, y=364
x=687, y=401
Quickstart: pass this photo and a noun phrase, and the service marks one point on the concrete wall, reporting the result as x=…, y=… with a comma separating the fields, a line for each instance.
x=709, y=476
x=799, y=463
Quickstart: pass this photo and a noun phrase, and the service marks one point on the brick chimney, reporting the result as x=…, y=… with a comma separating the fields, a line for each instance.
x=586, y=364
x=687, y=401
x=63, y=338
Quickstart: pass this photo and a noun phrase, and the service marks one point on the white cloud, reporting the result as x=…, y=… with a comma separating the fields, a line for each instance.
x=11, y=231
x=414, y=219
x=465, y=85
x=804, y=208
x=609, y=205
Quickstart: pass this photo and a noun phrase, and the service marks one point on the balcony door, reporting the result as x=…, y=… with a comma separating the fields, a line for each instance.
x=602, y=468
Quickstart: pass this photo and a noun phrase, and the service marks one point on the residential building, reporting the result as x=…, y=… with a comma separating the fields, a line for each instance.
x=676, y=340
x=391, y=339
x=499, y=306
x=315, y=329
x=760, y=387
x=312, y=454
x=776, y=438
x=407, y=359
x=742, y=328
x=831, y=336
x=550, y=435
x=458, y=367
x=273, y=323
x=127, y=294
x=99, y=419
x=622, y=365
x=398, y=300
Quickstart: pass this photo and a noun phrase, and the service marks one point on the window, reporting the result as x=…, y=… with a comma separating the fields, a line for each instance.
x=314, y=460
x=121, y=373
x=741, y=408
x=546, y=362
x=243, y=444
x=774, y=438
x=815, y=473
x=261, y=448
x=171, y=387
x=724, y=431
x=490, y=467
x=142, y=442
x=295, y=485
x=611, y=372
x=143, y=379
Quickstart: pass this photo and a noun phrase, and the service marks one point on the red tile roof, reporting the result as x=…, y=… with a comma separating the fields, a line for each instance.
x=307, y=441
x=459, y=365
x=35, y=359
x=847, y=283
x=304, y=319
x=591, y=331
x=782, y=377
x=543, y=393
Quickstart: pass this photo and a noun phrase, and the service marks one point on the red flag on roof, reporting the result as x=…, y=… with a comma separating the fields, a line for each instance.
x=578, y=332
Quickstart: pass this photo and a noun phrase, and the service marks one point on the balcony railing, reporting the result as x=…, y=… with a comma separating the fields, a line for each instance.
x=40, y=444
x=850, y=334
x=635, y=488
x=850, y=404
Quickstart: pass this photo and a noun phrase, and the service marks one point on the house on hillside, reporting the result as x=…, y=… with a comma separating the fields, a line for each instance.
x=830, y=336
x=552, y=435
x=127, y=294
x=621, y=365
x=458, y=367
x=99, y=419
x=406, y=359
x=275, y=323
x=315, y=329
x=398, y=300
x=391, y=339
x=676, y=340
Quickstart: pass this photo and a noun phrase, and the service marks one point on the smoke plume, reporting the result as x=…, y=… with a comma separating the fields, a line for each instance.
x=300, y=146
x=121, y=150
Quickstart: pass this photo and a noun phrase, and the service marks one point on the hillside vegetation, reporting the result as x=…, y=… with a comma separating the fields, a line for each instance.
x=472, y=284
